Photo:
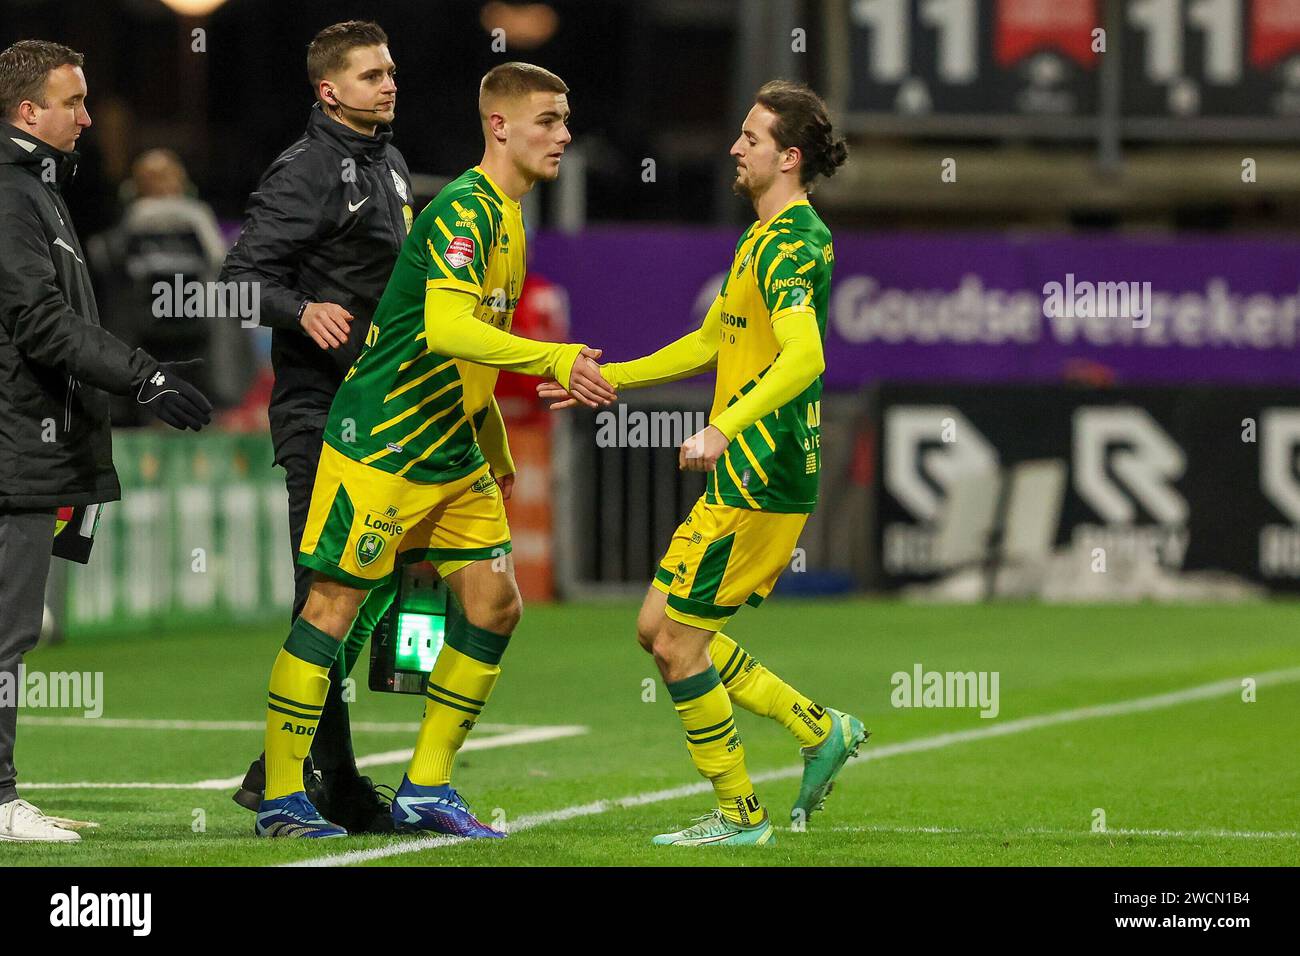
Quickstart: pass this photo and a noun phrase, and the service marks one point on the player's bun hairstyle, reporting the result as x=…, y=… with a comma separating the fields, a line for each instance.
x=802, y=121
x=328, y=51
x=24, y=68
x=516, y=79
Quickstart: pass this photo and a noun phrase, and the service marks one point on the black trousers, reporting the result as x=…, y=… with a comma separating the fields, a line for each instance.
x=25, y=541
x=298, y=454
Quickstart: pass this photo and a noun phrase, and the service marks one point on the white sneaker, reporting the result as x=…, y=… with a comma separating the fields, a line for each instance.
x=23, y=823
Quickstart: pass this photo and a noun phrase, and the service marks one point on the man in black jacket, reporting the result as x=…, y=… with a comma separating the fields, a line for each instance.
x=321, y=235
x=56, y=364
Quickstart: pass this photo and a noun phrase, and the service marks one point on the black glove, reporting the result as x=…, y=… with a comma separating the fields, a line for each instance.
x=166, y=393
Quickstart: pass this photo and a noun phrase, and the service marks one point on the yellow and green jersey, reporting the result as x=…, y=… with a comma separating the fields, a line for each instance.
x=781, y=267
x=402, y=408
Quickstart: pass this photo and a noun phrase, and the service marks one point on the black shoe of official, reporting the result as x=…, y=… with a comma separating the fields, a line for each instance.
x=251, y=791
x=356, y=804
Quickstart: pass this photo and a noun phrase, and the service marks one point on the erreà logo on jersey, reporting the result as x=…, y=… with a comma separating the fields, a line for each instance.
x=459, y=252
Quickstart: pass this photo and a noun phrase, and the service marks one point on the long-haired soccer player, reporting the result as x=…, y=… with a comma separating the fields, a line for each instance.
x=764, y=336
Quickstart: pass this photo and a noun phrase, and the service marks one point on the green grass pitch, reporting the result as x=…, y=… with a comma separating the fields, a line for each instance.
x=1191, y=779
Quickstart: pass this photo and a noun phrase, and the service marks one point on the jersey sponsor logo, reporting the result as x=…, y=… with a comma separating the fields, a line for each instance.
x=399, y=184
x=792, y=282
x=382, y=524
x=484, y=485
x=353, y=207
x=369, y=547
x=459, y=252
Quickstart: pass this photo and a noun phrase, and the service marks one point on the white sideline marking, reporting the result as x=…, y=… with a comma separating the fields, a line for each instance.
x=1137, y=705
x=531, y=735
x=141, y=723
x=1123, y=831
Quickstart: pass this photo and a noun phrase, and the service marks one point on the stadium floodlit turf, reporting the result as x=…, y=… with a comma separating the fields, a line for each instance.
x=1198, y=778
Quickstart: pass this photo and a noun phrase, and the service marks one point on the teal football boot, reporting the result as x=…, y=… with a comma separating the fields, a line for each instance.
x=713, y=829
x=822, y=764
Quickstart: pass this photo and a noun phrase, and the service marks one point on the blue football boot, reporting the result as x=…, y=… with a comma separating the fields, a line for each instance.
x=293, y=816
x=437, y=810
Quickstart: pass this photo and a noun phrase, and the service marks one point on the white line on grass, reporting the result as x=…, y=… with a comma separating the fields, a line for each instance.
x=1220, y=688
x=531, y=735
x=1050, y=831
x=141, y=723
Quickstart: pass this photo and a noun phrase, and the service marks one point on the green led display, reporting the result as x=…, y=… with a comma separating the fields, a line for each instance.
x=419, y=639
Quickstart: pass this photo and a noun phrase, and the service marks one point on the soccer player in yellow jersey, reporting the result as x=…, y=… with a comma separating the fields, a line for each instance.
x=408, y=468
x=764, y=336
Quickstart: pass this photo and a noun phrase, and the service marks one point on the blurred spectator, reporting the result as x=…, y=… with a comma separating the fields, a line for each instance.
x=168, y=235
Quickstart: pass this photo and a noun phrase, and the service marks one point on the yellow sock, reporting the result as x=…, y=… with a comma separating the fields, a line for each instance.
x=757, y=689
x=461, y=683
x=714, y=744
x=299, y=681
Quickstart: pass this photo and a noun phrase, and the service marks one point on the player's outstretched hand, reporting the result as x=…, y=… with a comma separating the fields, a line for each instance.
x=586, y=384
x=326, y=323
x=702, y=450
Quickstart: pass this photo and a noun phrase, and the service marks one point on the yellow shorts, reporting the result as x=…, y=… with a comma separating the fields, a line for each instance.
x=722, y=557
x=363, y=522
